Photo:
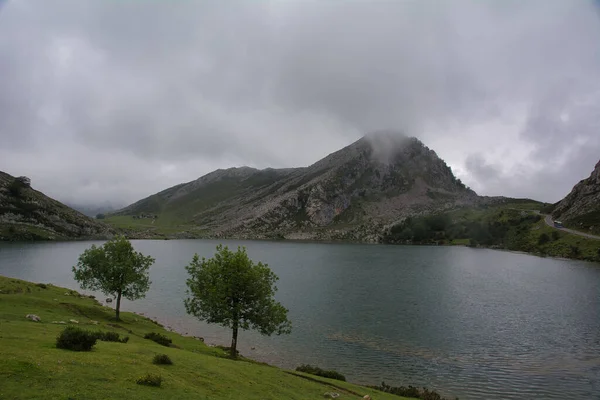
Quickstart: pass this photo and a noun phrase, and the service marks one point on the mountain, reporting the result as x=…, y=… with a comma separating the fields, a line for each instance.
x=352, y=194
x=26, y=214
x=581, y=208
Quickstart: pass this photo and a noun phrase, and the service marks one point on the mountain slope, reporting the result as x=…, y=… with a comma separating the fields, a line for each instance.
x=350, y=194
x=26, y=214
x=581, y=208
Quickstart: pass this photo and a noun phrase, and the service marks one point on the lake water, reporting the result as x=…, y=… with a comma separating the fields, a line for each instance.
x=477, y=324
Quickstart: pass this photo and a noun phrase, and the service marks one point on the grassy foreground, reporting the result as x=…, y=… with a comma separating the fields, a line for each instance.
x=31, y=367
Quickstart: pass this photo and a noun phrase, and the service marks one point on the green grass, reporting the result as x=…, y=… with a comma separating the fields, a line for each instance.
x=31, y=367
x=563, y=246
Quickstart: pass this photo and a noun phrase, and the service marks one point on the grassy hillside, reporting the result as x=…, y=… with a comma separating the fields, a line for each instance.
x=513, y=226
x=31, y=367
x=27, y=214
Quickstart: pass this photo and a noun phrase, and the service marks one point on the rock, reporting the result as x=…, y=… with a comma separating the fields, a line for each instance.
x=73, y=321
x=67, y=294
x=252, y=348
x=331, y=395
x=366, y=397
x=33, y=317
x=59, y=322
x=94, y=322
x=109, y=300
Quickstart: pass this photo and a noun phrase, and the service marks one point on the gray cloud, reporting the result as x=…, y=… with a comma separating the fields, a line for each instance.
x=117, y=100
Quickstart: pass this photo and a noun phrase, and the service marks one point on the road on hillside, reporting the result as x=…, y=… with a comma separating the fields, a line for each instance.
x=550, y=223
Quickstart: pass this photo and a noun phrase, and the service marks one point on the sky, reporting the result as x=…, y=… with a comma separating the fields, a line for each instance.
x=114, y=100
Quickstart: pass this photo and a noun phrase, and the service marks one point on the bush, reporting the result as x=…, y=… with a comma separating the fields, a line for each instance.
x=543, y=239
x=111, y=337
x=410, y=391
x=76, y=339
x=309, y=369
x=555, y=235
x=149, y=380
x=158, y=338
x=162, y=359
x=42, y=285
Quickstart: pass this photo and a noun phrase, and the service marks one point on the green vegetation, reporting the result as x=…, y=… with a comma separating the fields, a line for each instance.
x=309, y=369
x=515, y=226
x=76, y=339
x=158, y=338
x=149, y=380
x=31, y=367
x=410, y=391
x=115, y=269
x=231, y=290
x=162, y=359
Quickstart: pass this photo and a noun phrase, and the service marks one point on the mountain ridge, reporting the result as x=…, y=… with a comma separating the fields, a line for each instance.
x=27, y=214
x=580, y=209
x=353, y=193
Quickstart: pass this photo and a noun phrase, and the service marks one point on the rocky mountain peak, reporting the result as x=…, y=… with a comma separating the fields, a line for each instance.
x=581, y=207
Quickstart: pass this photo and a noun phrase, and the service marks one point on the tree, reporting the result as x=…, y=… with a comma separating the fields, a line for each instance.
x=100, y=216
x=231, y=290
x=115, y=269
x=543, y=239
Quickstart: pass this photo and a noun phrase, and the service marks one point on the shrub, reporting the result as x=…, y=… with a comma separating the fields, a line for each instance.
x=309, y=369
x=555, y=235
x=158, y=338
x=410, y=391
x=76, y=339
x=149, y=380
x=543, y=239
x=42, y=285
x=162, y=359
x=111, y=337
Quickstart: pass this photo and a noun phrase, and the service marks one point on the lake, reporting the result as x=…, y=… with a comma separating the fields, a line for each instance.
x=472, y=323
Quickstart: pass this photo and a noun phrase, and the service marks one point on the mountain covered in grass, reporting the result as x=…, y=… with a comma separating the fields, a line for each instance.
x=352, y=194
x=580, y=209
x=26, y=214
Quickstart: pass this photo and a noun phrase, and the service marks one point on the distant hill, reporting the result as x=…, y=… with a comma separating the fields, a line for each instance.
x=352, y=194
x=580, y=209
x=26, y=214
x=92, y=210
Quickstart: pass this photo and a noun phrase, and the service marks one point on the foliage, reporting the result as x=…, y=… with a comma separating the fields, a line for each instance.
x=162, y=359
x=100, y=216
x=17, y=185
x=231, y=290
x=309, y=369
x=76, y=339
x=115, y=269
x=111, y=337
x=410, y=391
x=543, y=239
x=149, y=380
x=158, y=338
x=555, y=235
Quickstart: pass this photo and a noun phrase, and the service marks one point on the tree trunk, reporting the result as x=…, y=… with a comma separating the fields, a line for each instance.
x=234, y=341
x=118, y=309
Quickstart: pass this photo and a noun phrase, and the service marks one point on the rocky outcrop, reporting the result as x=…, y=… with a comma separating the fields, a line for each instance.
x=352, y=194
x=26, y=214
x=581, y=207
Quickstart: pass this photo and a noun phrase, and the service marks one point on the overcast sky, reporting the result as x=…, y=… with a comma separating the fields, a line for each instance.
x=108, y=100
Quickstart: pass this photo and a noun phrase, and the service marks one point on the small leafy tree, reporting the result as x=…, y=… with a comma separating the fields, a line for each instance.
x=231, y=290
x=115, y=269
